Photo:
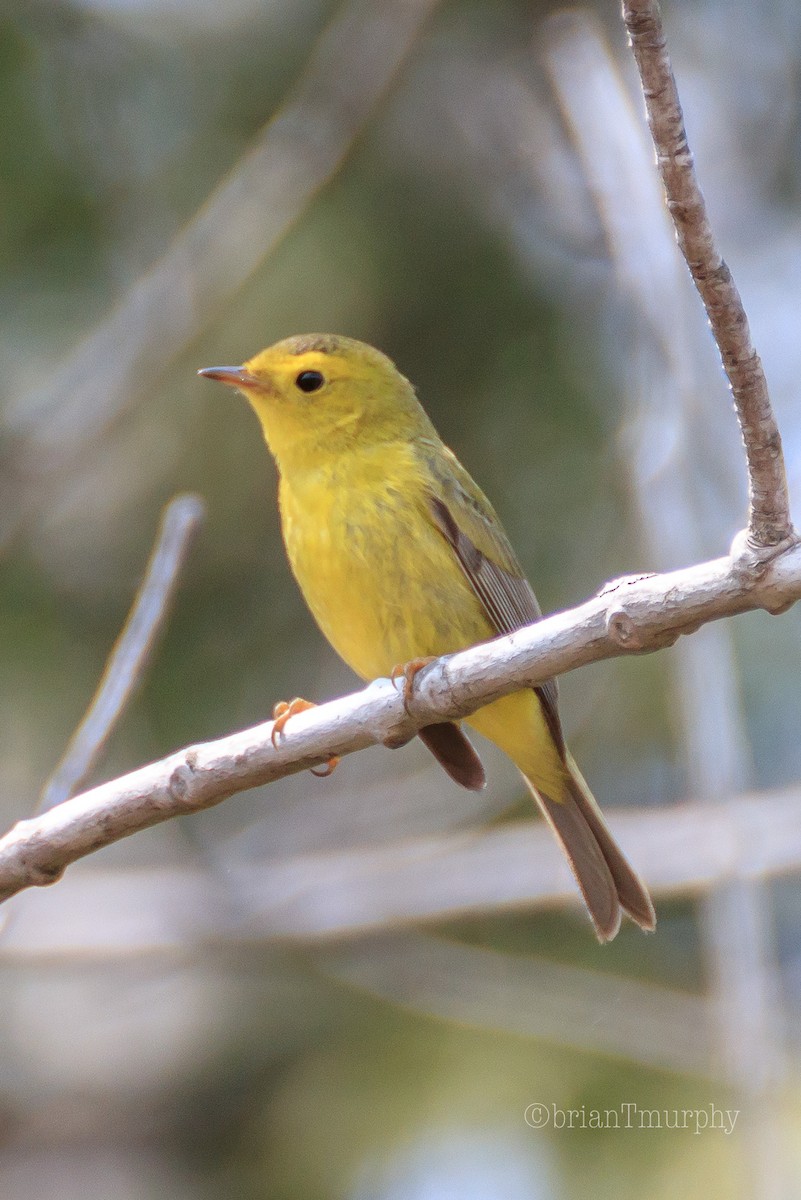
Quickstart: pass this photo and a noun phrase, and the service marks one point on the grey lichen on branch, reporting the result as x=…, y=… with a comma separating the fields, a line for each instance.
x=769, y=522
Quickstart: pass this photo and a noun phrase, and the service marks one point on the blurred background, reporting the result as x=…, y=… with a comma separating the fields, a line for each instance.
x=355, y=988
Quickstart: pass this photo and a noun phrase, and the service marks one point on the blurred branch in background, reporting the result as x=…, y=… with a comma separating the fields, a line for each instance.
x=133, y=649
x=688, y=849
x=354, y=63
x=532, y=997
x=101, y=915
x=631, y=615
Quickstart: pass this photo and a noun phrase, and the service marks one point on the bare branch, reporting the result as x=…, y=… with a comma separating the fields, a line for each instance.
x=769, y=516
x=632, y=615
x=131, y=652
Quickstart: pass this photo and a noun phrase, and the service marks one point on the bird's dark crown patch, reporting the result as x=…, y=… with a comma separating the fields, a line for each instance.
x=323, y=343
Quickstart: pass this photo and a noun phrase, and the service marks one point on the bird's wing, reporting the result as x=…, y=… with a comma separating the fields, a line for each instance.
x=470, y=525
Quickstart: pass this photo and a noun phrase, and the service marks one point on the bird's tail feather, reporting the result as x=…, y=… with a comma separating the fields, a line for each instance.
x=606, y=880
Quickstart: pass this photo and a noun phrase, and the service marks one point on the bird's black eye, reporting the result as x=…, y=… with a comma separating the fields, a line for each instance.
x=310, y=381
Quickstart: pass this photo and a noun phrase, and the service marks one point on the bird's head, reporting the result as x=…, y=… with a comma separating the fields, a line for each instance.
x=320, y=394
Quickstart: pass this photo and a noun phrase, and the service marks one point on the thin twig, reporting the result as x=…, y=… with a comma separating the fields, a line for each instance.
x=769, y=521
x=630, y=616
x=129, y=657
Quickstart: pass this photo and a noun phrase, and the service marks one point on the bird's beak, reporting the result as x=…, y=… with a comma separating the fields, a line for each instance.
x=233, y=376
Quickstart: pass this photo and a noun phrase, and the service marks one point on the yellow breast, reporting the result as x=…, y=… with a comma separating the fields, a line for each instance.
x=378, y=576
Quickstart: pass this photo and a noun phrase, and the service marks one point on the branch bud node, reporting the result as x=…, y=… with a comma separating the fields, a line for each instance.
x=750, y=560
x=180, y=781
x=43, y=875
x=622, y=629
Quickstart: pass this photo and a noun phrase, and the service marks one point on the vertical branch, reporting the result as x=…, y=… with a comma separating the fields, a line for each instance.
x=664, y=377
x=769, y=508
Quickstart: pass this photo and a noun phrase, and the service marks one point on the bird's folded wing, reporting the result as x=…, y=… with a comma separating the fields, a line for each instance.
x=469, y=524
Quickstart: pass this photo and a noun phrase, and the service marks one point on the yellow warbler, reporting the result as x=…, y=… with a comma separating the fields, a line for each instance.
x=401, y=557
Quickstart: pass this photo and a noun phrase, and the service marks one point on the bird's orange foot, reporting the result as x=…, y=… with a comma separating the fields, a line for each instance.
x=407, y=672
x=282, y=711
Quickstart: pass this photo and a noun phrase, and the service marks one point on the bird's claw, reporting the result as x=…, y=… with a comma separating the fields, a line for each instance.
x=328, y=769
x=407, y=672
x=282, y=711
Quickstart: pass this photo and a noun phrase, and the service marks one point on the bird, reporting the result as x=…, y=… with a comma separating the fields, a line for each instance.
x=401, y=559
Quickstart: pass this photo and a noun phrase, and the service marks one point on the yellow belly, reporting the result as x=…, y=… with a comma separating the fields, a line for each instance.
x=385, y=587
x=379, y=578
